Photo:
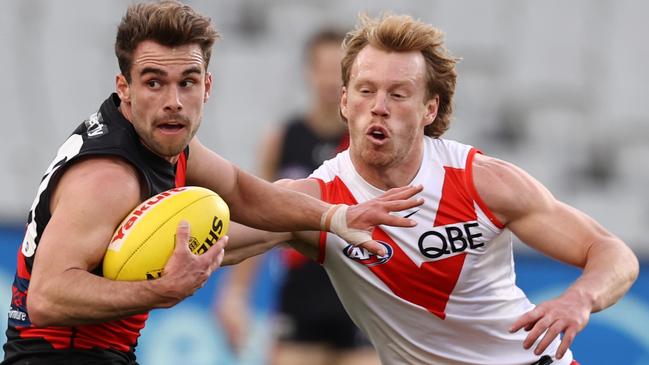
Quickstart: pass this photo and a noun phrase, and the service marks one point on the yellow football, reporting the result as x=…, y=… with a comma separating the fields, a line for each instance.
x=146, y=238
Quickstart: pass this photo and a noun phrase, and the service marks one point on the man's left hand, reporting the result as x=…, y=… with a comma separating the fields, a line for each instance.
x=567, y=314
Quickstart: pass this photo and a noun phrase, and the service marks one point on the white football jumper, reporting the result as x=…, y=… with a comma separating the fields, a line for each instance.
x=445, y=293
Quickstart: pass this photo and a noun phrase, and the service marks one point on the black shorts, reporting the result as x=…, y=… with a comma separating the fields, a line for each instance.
x=310, y=311
x=18, y=356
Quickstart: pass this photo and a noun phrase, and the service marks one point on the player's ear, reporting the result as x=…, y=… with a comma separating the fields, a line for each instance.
x=343, y=103
x=208, y=87
x=432, y=106
x=123, y=88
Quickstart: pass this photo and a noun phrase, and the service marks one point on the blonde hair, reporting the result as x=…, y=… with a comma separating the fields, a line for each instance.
x=401, y=33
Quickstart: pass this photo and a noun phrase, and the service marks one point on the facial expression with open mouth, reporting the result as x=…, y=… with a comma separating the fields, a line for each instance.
x=386, y=108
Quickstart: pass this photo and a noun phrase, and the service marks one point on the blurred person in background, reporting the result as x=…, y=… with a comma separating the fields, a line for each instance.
x=311, y=326
x=139, y=143
x=444, y=292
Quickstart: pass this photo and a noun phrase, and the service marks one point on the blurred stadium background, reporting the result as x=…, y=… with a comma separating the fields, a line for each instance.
x=558, y=87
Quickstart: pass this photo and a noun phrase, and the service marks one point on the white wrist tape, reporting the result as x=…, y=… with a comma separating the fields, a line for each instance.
x=335, y=220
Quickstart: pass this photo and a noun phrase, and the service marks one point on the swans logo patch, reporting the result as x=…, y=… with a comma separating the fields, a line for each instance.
x=364, y=257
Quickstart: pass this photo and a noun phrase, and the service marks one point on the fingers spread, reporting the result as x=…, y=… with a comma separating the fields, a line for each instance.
x=527, y=320
x=399, y=205
x=539, y=328
x=552, y=332
x=400, y=193
x=566, y=341
x=395, y=221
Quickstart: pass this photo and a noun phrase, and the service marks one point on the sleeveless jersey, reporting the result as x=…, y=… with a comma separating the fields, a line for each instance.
x=106, y=132
x=445, y=292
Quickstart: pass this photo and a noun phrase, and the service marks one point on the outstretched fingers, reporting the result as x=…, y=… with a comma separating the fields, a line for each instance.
x=400, y=205
x=552, y=332
x=397, y=200
x=401, y=193
x=527, y=320
x=549, y=320
x=566, y=341
x=363, y=217
x=397, y=221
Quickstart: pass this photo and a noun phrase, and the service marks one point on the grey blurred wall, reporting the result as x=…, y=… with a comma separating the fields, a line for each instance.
x=558, y=87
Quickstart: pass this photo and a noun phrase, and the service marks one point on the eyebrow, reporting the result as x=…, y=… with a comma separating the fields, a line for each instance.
x=160, y=72
x=153, y=70
x=192, y=70
x=392, y=83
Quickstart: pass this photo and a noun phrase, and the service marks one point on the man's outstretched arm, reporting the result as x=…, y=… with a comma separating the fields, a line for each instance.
x=566, y=234
x=274, y=207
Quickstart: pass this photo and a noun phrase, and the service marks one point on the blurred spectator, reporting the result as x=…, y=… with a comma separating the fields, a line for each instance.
x=312, y=327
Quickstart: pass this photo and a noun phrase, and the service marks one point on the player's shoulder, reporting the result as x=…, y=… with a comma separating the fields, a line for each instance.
x=447, y=151
x=105, y=188
x=101, y=176
x=492, y=171
x=103, y=166
x=504, y=187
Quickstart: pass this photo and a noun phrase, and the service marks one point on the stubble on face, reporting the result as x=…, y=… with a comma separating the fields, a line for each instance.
x=388, y=155
x=164, y=148
x=167, y=91
x=394, y=82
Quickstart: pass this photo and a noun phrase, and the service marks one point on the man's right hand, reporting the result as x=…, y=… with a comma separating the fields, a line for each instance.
x=186, y=272
x=365, y=216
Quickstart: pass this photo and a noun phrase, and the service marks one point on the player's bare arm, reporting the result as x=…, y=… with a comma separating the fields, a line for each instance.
x=267, y=206
x=246, y=242
x=530, y=211
x=252, y=201
x=90, y=200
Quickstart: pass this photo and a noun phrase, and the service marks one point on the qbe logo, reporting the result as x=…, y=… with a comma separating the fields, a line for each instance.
x=451, y=239
x=364, y=257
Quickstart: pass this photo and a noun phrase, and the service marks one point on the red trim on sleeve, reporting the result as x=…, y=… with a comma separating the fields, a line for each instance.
x=322, y=247
x=474, y=193
x=324, y=196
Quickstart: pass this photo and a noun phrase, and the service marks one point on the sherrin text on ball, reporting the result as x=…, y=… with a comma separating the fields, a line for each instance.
x=144, y=241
